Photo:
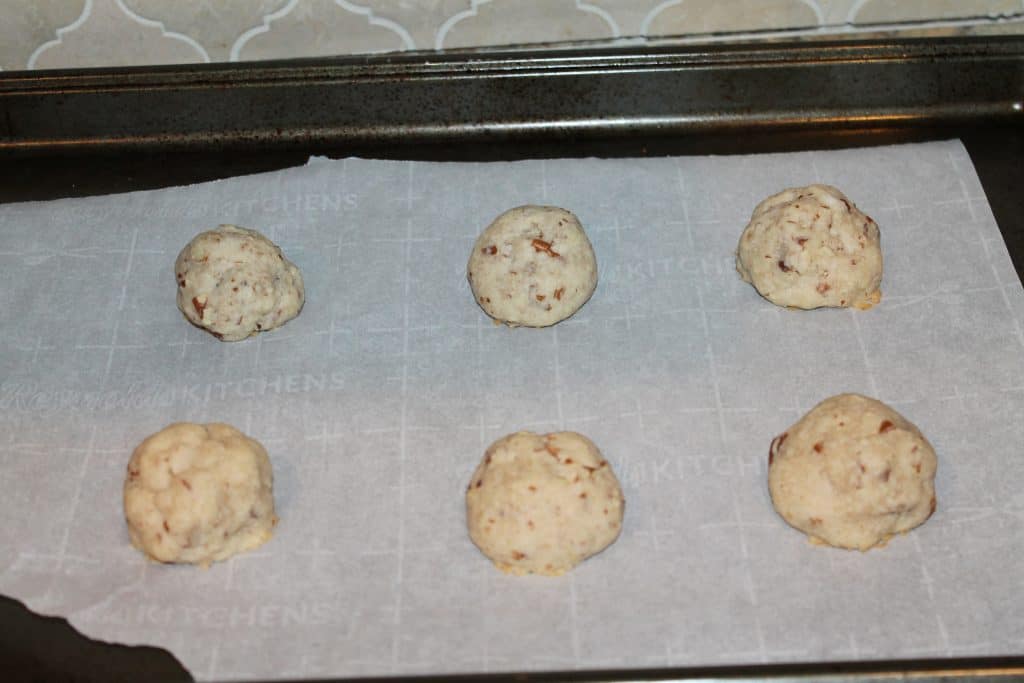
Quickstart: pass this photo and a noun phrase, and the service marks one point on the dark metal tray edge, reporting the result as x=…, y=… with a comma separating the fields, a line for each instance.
x=439, y=98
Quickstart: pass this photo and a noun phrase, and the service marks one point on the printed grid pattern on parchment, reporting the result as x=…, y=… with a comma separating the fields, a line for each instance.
x=377, y=402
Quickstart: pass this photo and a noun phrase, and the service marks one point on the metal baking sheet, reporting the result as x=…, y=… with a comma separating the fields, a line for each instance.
x=994, y=158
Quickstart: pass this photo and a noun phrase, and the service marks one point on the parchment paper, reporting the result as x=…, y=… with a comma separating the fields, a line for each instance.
x=377, y=402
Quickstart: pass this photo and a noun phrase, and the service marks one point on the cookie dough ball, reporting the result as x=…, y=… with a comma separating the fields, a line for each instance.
x=235, y=282
x=852, y=473
x=198, y=494
x=532, y=266
x=543, y=503
x=809, y=247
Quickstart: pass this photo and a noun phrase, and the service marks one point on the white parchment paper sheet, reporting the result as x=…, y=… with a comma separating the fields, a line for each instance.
x=377, y=402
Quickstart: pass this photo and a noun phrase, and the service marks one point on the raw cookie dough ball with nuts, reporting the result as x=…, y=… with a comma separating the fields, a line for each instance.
x=809, y=247
x=532, y=266
x=198, y=494
x=543, y=503
x=852, y=473
x=235, y=282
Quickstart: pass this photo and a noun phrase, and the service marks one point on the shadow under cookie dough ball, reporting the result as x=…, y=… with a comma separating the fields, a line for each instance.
x=543, y=503
x=198, y=494
x=809, y=247
x=852, y=473
x=235, y=282
x=533, y=266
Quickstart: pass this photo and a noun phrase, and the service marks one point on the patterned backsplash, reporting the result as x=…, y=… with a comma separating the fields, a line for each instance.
x=40, y=34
